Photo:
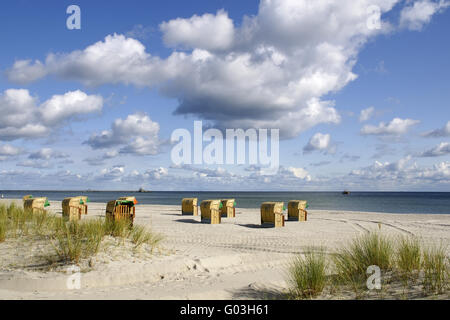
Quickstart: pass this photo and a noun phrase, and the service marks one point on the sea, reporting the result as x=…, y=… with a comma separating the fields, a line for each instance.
x=387, y=202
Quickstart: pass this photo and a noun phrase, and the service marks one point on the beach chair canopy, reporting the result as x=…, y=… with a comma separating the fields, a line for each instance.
x=126, y=201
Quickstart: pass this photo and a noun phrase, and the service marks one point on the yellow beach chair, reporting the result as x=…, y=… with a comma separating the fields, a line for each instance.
x=228, y=208
x=36, y=204
x=122, y=208
x=75, y=207
x=272, y=212
x=189, y=206
x=210, y=211
x=297, y=210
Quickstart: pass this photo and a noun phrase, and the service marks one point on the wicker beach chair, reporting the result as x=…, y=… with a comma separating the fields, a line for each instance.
x=228, y=208
x=122, y=208
x=297, y=210
x=189, y=206
x=74, y=207
x=36, y=205
x=210, y=211
x=272, y=212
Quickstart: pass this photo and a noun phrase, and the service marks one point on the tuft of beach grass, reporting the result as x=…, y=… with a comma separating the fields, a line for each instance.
x=71, y=240
x=408, y=258
x=351, y=263
x=307, y=274
x=436, y=270
x=141, y=235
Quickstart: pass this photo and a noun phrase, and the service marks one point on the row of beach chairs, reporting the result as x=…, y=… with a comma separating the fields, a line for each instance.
x=212, y=211
x=74, y=208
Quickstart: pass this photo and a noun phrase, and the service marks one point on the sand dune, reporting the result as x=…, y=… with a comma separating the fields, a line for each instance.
x=233, y=260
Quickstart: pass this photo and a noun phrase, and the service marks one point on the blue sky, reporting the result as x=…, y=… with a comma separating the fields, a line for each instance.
x=138, y=70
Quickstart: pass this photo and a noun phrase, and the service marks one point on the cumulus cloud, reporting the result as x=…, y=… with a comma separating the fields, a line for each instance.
x=443, y=132
x=366, y=114
x=25, y=71
x=23, y=117
x=319, y=142
x=71, y=104
x=403, y=173
x=204, y=172
x=140, y=32
x=7, y=151
x=441, y=150
x=396, y=127
x=298, y=173
x=100, y=160
x=150, y=174
x=209, y=32
x=114, y=174
x=272, y=71
x=137, y=134
x=419, y=13
x=36, y=164
x=47, y=154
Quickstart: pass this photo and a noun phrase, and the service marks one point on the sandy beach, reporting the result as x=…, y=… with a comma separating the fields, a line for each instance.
x=238, y=259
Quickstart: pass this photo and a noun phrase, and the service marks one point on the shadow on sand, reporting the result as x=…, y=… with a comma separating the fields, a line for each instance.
x=257, y=226
x=172, y=214
x=258, y=294
x=188, y=221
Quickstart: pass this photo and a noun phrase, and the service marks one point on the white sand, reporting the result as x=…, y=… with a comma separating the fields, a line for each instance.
x=237, y=259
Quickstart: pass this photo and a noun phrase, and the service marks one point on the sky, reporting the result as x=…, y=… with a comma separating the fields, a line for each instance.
x=360, y=103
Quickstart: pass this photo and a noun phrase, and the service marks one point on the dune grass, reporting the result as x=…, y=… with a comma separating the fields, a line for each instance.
x=400, y=260
x=72, y=240
x=76, y=240
x=3, y=222
x=436, y=270
x=372, y=249
x=307, y=274
x=408, y=258
x=140, y=236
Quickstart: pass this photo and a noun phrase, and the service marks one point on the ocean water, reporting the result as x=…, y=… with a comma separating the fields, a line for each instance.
x=390, y=202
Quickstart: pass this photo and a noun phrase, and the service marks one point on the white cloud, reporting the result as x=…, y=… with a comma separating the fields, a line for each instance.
x=443, y=132
x=140, y=32
x=402, y=173
x=137, y=134
x=416, y=15
x=209, y=32
x=441, y=150
x=47, y=154
x=299, y=173
x=7, y=151
x=150, y=174
x=396, y=127
x=22, y=117
x=366, y=114
x=115, y=173
x=24, y=71
x=71, y=104
x=274, y=70
x=319, y=142
x=36, y=164
x=100, y=160
x=117, y=59
x=271, y=72
x=19, y=116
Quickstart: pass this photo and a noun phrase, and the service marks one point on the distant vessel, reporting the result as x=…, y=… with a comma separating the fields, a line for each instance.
x=143, y=190
x=346, y=192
